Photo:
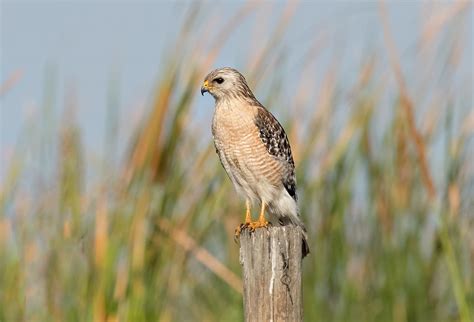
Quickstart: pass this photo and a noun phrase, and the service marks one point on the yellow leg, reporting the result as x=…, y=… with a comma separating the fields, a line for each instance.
x=261, y=218
x=248, y=217
x=248, y=220
x=261, y=222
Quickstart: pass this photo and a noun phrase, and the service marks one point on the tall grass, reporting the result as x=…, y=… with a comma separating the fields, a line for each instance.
x=385, y=179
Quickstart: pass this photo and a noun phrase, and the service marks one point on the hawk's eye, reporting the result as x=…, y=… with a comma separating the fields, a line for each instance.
x=219, y=80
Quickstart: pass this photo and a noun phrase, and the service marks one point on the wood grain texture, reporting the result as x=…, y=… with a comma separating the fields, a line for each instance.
x=271, y=261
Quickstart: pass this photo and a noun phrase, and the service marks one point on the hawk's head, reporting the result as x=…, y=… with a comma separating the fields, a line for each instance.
x=226, y=83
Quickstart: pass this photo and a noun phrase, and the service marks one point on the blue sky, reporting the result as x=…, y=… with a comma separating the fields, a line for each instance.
x=86, y=43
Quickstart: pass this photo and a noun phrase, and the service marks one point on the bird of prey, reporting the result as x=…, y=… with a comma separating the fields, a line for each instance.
x=254, y=151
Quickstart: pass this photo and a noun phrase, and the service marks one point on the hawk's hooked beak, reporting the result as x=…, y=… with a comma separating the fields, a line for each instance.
x=205, y=87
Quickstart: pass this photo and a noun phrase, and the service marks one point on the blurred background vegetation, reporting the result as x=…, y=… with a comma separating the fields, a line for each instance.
x=385, y=175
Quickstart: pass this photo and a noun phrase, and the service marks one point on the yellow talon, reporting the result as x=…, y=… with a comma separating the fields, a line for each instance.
x=248, y=220
x=261, y=222
x=252, y=225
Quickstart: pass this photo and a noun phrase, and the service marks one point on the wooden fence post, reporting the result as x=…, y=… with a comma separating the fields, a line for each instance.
x=271, y=261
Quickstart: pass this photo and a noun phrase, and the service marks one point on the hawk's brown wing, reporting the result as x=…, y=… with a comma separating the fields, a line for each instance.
x=274, y=138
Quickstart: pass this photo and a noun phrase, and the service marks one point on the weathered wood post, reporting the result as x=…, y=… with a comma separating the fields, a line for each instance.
x=271, y=261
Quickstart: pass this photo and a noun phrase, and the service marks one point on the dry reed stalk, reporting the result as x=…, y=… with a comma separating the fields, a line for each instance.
x=201, y=254
x=304, y=92
x=152, y=130
x=438, y=21
x=100, y=254
x=319, y=121
x=101, y=233
x=259, y=64
x=138, y=231
x=10, y=82
x=407, y=104
x=226, y=30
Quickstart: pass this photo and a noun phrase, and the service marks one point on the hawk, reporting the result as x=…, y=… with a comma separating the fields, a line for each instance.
x=254, y=151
